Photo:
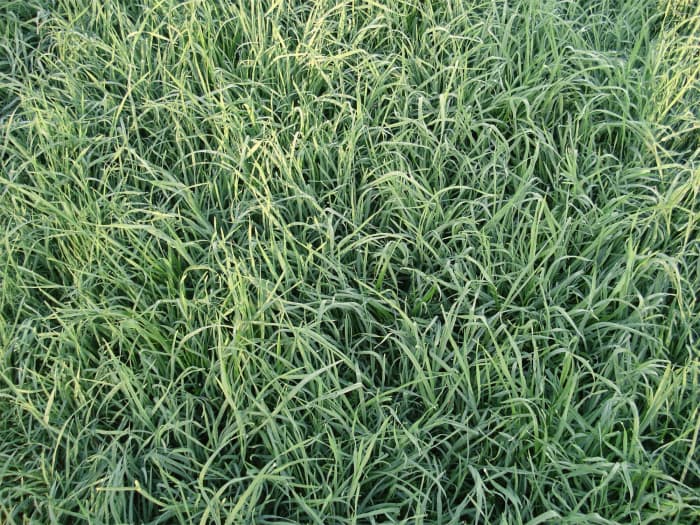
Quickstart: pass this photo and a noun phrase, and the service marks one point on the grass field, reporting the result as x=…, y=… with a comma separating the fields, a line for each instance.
x=350, y=262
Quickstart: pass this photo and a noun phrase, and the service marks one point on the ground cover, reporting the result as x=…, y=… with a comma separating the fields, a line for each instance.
x=349, y=261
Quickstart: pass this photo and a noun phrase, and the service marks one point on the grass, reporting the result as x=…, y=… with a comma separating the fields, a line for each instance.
x=350, y=262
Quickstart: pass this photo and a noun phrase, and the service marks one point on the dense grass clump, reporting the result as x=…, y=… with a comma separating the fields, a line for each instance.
x=345, y=262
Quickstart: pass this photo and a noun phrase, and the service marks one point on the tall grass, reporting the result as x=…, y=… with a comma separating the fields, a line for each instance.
x=350, y=261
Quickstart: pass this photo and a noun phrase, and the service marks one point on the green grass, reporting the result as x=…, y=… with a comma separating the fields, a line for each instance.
x=350, y=262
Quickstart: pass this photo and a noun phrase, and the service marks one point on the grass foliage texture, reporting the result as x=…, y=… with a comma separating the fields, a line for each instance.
x=346, y=262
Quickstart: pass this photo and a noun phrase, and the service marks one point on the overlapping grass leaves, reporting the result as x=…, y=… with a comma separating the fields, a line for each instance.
x=349, y=262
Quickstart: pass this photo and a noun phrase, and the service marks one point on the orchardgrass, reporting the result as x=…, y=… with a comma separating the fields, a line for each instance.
x=350, y=262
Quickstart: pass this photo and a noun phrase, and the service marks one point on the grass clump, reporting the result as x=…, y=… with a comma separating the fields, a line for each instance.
x=349, y=262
